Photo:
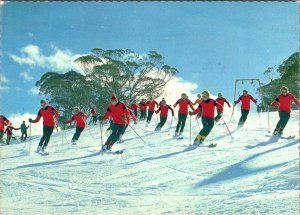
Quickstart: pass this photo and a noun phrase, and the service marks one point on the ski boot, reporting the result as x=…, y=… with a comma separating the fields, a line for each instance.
x=176, y=134
x=197, y=142
x=39, y=149
x=44, y=151
x=180, y=136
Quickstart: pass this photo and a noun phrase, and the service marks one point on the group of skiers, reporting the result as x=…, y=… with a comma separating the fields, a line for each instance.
x=120, y=114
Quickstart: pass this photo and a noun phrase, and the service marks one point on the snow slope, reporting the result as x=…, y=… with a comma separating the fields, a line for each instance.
x=250, y=174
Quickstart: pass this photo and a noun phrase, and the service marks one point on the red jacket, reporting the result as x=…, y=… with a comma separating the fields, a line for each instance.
x=134, y=106
x=221, y=101
x=94, y=112
x=48, y=113
x=9, y=130
x=151, y=105
x=79, y=118
x=245, y=101
x=3, y=120
x=164, y=110
x=129, y=114
x=208, y=108
x=117, y=113
x=285, y=102
x=143, y=105
x=183, y=105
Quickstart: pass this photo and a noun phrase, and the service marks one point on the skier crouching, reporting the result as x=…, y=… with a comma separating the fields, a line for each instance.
x=80, y=119
x=208, y=113
x=283, y=101
x=163, y=109
x=117, y=111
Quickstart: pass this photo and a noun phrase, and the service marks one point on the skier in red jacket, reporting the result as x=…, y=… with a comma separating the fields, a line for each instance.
x=283, y=101
x=129, y=114
x=48, y=113
x=208, y=114
x=245, y=107
x=117, y=111
x=198, y=102
x=80, y=119
x=184, y=104
x=3, y=121
x=221, y=100
x=151, y=107
x=135, y=108
x=9, y=132
x=163, y=109
x=143, y=109
x=94, y=115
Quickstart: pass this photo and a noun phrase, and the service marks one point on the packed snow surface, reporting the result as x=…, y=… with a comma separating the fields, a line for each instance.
x=249, y=174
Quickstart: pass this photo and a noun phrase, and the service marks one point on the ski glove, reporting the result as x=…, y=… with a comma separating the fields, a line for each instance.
x=191, y=113
x=30, y=120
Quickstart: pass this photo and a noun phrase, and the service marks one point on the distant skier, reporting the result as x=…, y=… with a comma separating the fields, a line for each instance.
x=3, y=121
x=184, y=104
x=151, y=107
x=9, y=132
x=163, y=109
x=80, y=119
x=135, y=108
x=245, y=107
x=198, y=102
x=129, y=114
x=221, y=100
x=48, y=113
x=283, y=101
x=208, y=114
x=94, y=115
x=143, y=109
x=24, y=131
x=117, y=111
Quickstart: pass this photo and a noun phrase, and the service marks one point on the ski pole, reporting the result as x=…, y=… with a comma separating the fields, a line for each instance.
x=190, y=130
x=232, y=113
x=101, y=131
x=227, y=127
x=136, y=133
x=269, y=119
x=29, y=151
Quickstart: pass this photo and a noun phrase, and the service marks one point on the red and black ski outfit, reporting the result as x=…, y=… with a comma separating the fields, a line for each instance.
x=129, y=114
x=9, y=133
x=245, y=107
x=163, y=109
x=135, y=108
x=48, y=113
x=3, y=121
x=143, y=109
x=94, y=115
x=220, y=108
x=207, y=117
x=80, y=119
x=284, y=109
x=151, y=107
x=184, y=105
x=118, y=114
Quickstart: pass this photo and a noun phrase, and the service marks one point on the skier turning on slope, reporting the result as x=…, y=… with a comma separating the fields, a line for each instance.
x=245, y=107
x=134, y=107
x=184, y=104
x=48, y=113
x=221, y=100
x=80, y=119
x=151, y=107
x=9, y=132
x=24, y=128
x=3, y=121
x=117, y=111
x=143, y=109
x=163, y=109
x=198, y=102
x=94, y=115
x=283, y=101
x=208, y=113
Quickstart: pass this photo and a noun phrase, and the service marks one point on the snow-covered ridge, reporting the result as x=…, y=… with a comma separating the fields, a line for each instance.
x=249, y=174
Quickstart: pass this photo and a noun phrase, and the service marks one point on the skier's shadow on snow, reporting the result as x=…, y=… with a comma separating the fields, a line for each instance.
x=240, y=170
x=265, y=143
x=163, y=156
x=51, y=162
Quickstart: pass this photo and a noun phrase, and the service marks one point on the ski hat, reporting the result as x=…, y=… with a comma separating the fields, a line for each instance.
x=220, y=94
x=113, y=98
x=245, y=91
x=284, y=88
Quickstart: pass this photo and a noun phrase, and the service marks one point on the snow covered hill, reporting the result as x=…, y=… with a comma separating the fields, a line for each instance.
x=250, y=174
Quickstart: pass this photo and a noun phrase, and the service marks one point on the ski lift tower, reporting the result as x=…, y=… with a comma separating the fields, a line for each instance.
x=252, y=80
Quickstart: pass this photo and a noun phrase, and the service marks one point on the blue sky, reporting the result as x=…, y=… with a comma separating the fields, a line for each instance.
x=211, y=44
